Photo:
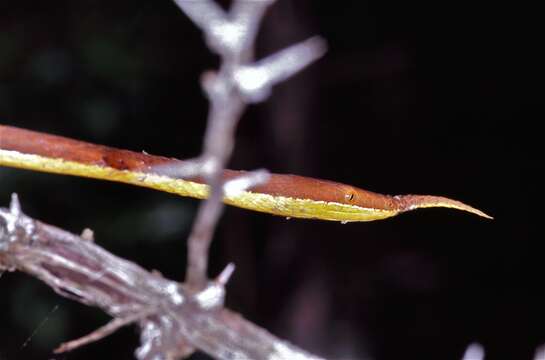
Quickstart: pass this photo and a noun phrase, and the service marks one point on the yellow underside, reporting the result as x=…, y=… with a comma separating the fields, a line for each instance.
x=277, y=205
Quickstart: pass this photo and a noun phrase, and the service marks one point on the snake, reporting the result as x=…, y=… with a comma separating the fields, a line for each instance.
x=286, y=195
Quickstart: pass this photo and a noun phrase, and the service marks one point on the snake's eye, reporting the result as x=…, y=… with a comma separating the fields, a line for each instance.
x=349, y=196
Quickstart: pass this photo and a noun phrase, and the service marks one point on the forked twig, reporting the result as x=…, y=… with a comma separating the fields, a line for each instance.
x=238, y=82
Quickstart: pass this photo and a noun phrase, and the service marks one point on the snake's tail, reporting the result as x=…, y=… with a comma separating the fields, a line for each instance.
x=411, y=202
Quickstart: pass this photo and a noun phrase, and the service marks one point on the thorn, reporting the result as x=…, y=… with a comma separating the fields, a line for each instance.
x=156, y=272
x=213, y=295
x=88, y=235
x=15, y=205
x=225, y=275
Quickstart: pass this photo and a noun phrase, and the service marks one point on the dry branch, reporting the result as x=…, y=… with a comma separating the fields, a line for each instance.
x=173, y=320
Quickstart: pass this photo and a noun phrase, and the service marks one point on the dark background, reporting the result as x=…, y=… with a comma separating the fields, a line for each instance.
x=441, y=99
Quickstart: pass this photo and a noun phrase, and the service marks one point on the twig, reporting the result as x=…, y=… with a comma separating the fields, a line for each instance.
x=99, y=333
x=224, y=36
x=173, y=320
x=237, y=83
